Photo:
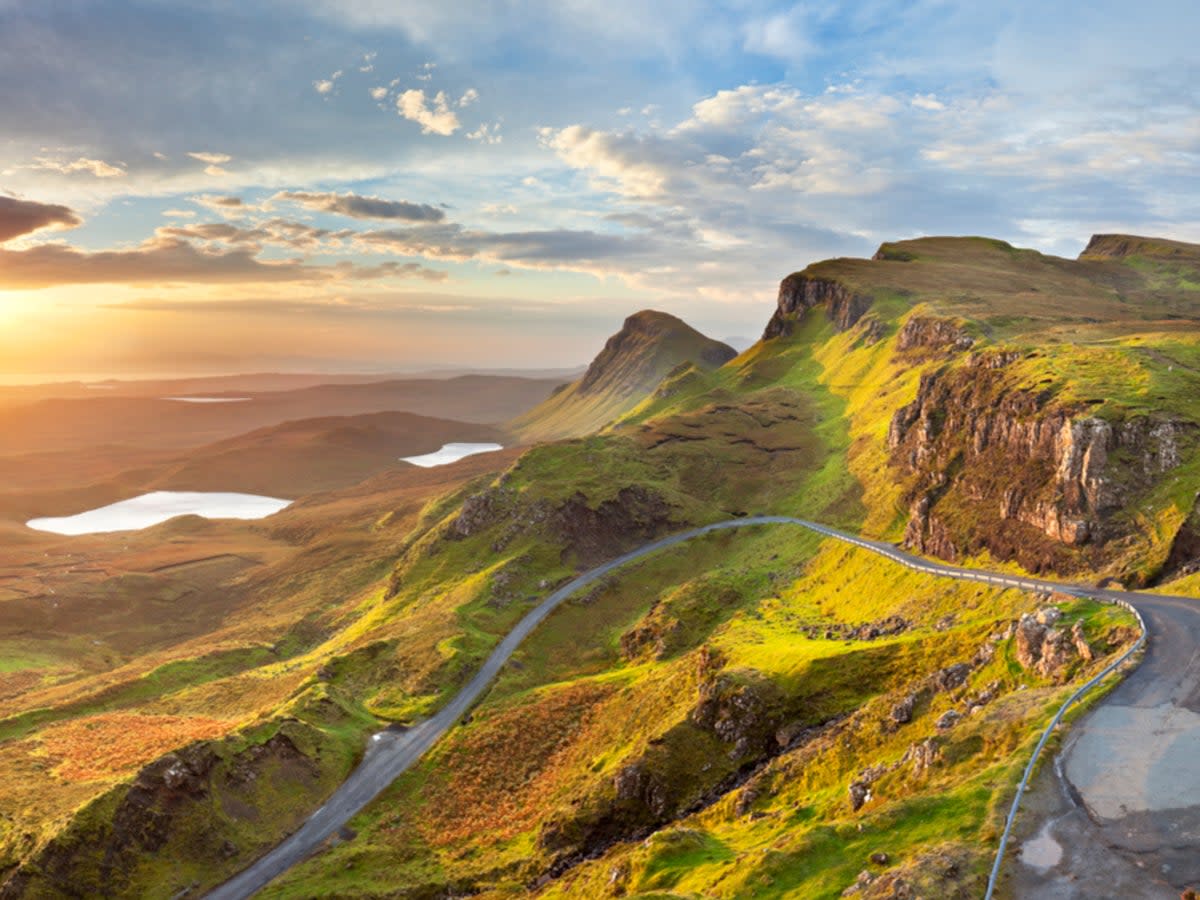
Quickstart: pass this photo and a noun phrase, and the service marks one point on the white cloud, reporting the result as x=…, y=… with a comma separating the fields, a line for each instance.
x=469, y=96
x=179, y=213
x=928, y=102
x=214, y=160
x=325, y=86
x=379, y=93
x=783, y=36
x=635, y=166
x=98, y=168
x=434, y=116
x=486, y=133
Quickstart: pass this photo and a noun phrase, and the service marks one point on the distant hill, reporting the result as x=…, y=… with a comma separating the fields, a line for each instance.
x=148, y=423
x=634, y=361
x=292, y=460
x=310, y=455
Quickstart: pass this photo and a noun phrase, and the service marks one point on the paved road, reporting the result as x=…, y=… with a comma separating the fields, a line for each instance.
x=1118, y=814
x=393, y=751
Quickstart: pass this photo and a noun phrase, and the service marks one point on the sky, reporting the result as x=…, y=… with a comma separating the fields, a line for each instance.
x=375, y=185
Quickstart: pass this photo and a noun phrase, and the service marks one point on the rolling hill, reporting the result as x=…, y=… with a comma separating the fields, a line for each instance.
x=153, y=423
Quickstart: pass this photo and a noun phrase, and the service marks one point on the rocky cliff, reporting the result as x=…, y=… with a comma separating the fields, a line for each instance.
x=799, y=292
x=992, y=464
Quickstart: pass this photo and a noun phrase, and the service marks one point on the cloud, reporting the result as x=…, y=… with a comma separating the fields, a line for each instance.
x=928, y=102
x=170, y=258
x=559, y=248
x=434, y=116
x=216, y=201
x=162, y=260
x=389, y=270
x=95, y=167
x=179, y=213
x=18, y=217
x=214, y=160
x=486, y=133
x=325, y=86
x=357, y=206
x=379, y=93
x=636, y=166
x=469, y=96
x=276, y=231
x=782, y=35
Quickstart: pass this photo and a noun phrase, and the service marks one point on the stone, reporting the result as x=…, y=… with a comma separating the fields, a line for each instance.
x=902, y=712
x=948, y=719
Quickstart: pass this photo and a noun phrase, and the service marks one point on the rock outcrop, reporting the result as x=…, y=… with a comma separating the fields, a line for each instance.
x=933, y=333
x=1049, y=651
x=590, y=533
x=799, y=293
x=97, y=855
x=1004, y=456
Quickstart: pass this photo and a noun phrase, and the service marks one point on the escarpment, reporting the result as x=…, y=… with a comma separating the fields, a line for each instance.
x=799, y=293
x=993, y=464
x=110, y=849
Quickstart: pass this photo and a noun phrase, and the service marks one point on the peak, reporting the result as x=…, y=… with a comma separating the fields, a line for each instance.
x=634, y=361
x=653, y=320
x=649, y=344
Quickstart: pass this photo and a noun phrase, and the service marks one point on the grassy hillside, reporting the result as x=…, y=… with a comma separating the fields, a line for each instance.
x=756, y=714
x=649, y=346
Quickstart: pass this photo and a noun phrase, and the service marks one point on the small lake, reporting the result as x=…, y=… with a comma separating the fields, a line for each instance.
x=450, y=453
x=208, y=399
x=159, y=506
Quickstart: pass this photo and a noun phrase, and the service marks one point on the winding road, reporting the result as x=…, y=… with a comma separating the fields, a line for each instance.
x=1128, y=789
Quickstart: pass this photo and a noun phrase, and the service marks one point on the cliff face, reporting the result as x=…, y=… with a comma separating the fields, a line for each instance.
x=799, y=293
x=112, y=846
x=1007, y=469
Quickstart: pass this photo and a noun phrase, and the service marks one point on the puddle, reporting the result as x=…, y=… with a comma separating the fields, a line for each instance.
x=1042, y=852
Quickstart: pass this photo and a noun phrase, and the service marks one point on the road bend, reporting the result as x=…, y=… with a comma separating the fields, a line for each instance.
x=1121, y=783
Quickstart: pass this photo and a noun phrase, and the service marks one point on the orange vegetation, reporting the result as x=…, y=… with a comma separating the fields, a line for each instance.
x=117, y=744
x=500, y=774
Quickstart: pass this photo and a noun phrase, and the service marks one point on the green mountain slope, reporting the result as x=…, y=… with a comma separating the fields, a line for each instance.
x=758, y=714
x=649, y=346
